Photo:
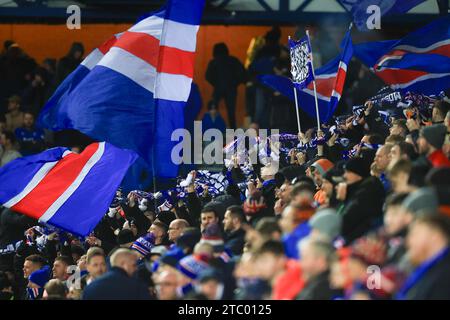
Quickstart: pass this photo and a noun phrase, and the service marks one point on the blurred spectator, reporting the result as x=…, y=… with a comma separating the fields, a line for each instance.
x=69, y=62
x=9, y=152
x=14, y=117
x=225, y=73
x=30, y=138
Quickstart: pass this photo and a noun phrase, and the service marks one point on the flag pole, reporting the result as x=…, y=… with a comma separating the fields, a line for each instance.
x=314, y=85
x=296, y=105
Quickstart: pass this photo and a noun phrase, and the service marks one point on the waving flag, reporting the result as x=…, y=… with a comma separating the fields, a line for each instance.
x=64, y=189
x=131, y=91
x=420, y=62
x=301, y=62
x=330, y=81
x=358, y=9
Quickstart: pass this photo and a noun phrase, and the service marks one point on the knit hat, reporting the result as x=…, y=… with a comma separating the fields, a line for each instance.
x=192, y=265
x=213, y=235
x=357, y=166
x=125, y=236
x=40, y=277
x=423, y=200
x=434, y=135
x=144, y=244
x=328, y=222
x=323, y=165
x=211, y=274
x=369, y=250
x=172, y=257
x=254, y=203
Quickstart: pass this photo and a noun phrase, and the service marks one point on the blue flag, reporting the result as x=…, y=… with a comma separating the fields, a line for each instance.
x=301, y=62
x=420, y=62
x=358, y=9
x=132, y=90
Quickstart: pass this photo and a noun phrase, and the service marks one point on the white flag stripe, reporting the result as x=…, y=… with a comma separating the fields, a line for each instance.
x=179, y=35
x=74, y=186
x=37, y=178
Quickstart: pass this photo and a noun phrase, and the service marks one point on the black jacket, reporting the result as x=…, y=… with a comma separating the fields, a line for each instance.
x=361, y=208
x=435, y=284
x=235, y=241
x=116, y=285
x=225, y=73
x=317, y=288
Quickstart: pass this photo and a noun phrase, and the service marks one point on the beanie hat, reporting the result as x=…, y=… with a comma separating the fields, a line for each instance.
x=435, y=135
x=192, y=265
x=254, y=203
x=323, y=165
x=125, y=236
x=144, y=244
x=172, y=257
x=213, y=235
x=423, y=200
x=328, y=222
x=369, y=250
x=40, y=277
x=211, y=274
x=358, y=166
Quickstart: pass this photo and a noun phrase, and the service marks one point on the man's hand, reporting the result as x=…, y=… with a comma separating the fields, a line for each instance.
x=341, y=191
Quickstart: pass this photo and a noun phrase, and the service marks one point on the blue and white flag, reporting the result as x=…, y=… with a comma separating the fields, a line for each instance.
x=301, y=62
x=132, y=90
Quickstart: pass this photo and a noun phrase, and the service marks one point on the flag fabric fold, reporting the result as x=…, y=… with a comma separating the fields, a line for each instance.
x=131, y=91
x=420, y=62
x=64, y=189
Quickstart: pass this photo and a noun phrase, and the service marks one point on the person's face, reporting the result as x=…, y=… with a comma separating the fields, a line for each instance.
x=213, y=112
x=82, y=263
x=174, y=231
x=28, y=120
x=286, y=222
x=156, y=231
x=3, y=141
x=327, y=187
x=397, y=130
x=209, y=289
x=77, y=55
x=228, y=224
x=338, y=278
x=96, y=266
x=285, y=192
x=418, y=240
x=59, y=270
x=317, y=178
x=207, y=218
x=129, y=264
x=395, y=154
x=302, y=197
x=269, y=265
x=395, y=219
x=382, y=159
x=166, y=286
x=423, y=145
x=28, y=268
x=399, y=181
x=436, y=115
x=13, y=106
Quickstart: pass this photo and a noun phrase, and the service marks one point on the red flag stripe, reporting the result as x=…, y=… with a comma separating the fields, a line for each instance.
x=394, y=76
x=147, y=48
x=60, y=177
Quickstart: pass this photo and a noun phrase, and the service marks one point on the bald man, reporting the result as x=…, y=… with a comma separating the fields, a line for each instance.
x=176, y=229
x=118, y=283
x=166, y=285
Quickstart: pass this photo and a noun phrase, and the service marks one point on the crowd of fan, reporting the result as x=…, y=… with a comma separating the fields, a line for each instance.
x=364, y=219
